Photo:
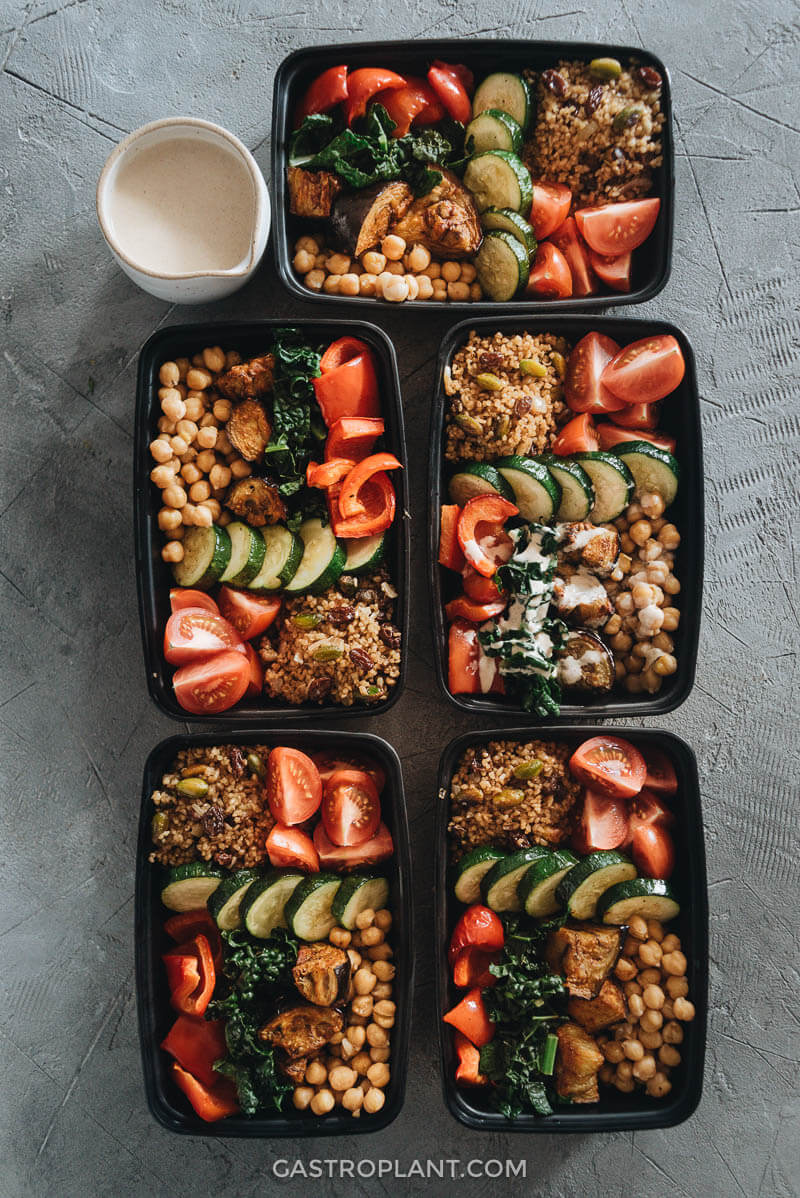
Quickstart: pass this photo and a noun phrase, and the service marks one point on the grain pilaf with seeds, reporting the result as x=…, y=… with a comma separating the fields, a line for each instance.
x=505, y=395
x=211, y=807
x=512, y=794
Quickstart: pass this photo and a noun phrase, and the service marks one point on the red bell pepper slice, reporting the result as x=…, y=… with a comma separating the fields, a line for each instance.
x=185, y=925
x=211, y=1103
x=478, y=926
x=469, y=1017
x=350, y=389
x=352, y=437
x=328, y=473
x=463, y=608
x=379, y=502
x=327, y=90
x=449, y=81
x=463, y=655
x=416, y=103
x=471, y=968
x=362, y=86
x=468, y=1070
x=196, y=1044
x=341, y=351
x=483, y=509
x=191, y=975
x=350, y=502
x=450, y=553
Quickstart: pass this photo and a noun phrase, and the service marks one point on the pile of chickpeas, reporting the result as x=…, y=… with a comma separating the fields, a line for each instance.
x=396, y=272
x=643, y=1049
x=642, y=589
x=195, y=461
x=355, y=1072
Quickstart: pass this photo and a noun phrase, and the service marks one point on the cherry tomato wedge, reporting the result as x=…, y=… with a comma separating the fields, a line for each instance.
x=649, y=808
x=194, y=633
x=352, y=437
x=416, y=103
x=490, y=510
x=583, y=389
x=212, y=685
x=609, y=764
x=618, y=228
x=638, y=415
x=450, y=554
x=470, y=1018
x=478, y=926
x=294, y=787
x=463, y=608
x=255, y=684
x=653, y=851
x=550, y=208
x=578, y=435
x=379, y=504
x=448, y=82
x=482, y=590
x=610, y=436
x=567, y=240
x=369, y=852
x=362, y=86
x=661, y=776
x=249, y=614
x=351, y=387
x=614, y=272
x=351, y=808
x=327, y=90
x=327, y=474
x=350, y=502
x=646, y=370
x=181, y=597
x=289, y=848
x=604, y=820
x=550, y=276
x=471, y=968
x=463, y=658
x=328, y=763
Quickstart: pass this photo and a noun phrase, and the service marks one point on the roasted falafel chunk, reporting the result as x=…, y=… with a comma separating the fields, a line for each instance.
x=584, y=955
x=249, y=430
x=578, y=1063
x=595, y=546
x=302, y=1031
x=311, y=193
x=593, y=1014
x=322, y=973
x=256, y=501
x=248, y=380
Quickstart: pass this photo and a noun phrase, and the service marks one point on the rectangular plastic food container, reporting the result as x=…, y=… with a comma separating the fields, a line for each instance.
x=167, y=1105
x=154, y=577
x=680, y=414
x=652, y=262
x=615, y=1111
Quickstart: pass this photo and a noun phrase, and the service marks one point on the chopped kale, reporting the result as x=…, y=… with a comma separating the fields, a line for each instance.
x=296, y=432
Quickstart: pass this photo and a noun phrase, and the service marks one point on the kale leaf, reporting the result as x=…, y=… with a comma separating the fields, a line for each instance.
x=296, y=433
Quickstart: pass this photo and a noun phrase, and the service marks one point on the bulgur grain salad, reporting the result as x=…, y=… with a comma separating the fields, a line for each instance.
x=557, y=529
x=463, y=187
x=277, y=496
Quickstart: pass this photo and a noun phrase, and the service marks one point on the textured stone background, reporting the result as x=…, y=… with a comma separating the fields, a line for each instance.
x=76, y=722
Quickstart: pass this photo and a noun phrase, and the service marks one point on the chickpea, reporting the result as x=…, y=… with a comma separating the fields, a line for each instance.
x=433, y=270
x=379, y=1074
x=356, y=1035
x=393, y=247
x=199, y=491
x=677, y=987
x=670, y=942
x=612, y=625
x=619, y=670
x=672, y=1032
x=213, y=507
x=475, y=292
x=365, y=919
x=657, y=572
x=468, y=272
x=658, y=1086
x=338, y=264
x=379, y=952
x=606, y=1074
x=636, y=1005
x=383, y=919
x=308, y=243
x=633, y=1050
x=173, y=406
x=651, y=1040
x=314, y=279
x=624, y=603
x=663, y=642
x=624, y=1031
x=194, y=410
x=632, y=988
x=361, y=1006
x=413, y=286
x=384, y=1021
x=214, y=358
x=224, y=519
x=439, y=289
x=376, y=1036
x=379, y=1053
x=364, y=980
x=683, y=1010
x=458, y=292
x=162, y=476
x=348, y=284
x=371, y=937
x=316, y=1073
x=373, y=262
x=451, y=271
x=340, y=937
x=169, y=374
x=640, y=532
x=671, y=618
x=353, y=1098
x=301, y=1098
x=342, y=1078
x=674, y=963
x=395, y=289
x=669, y=1056
x=613, y=1052
x=179, y=446
x=625, y=969
x=650, y=976
x=368, y=284
x=624, y=1071
x=172, y=552
x=355, y=958
x=626, y=543
x=189, y=514
x=331, y=284
x=205, y=459
x=666, y=665
x=161, y=450
x=633, y=684
x=174, y=496
x=645, y=1068
x=652, y=1020
x=323, y=1102
x=650, y=953
x=382, y=990
x=654, y=997
x=669, y=536
x=303, y=262
x=320, y=260
x=374, y=1100
x=241, y=469
x=637, y=928
x=220, y=477
x=621, y=642
x=198, y=379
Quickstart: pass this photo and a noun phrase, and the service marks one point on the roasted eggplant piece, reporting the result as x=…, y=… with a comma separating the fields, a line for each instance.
x=578, y=1063
x=446, y=220
x=301, y=1031
x=248, y=380
x=322, y=974
x=584, y=955
x=593, y=1014
x=585, y=663
x=295, y=1070
x=360, y=220
x=249, y=430
x=311, y=193
x=580, y=597
x=595, y=546
x=256, y=501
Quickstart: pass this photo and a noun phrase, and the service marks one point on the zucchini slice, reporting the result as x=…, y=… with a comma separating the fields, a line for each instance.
x=478, y=478
x=364, y=553
x=262, y=907
x=536, y=492
x=206, y=553
x=510, y=93
x=188, y=887
x=499, y=886
x=356, y=894
x=509, y=221
x=652, y=898
x=653, y=469
x=493, y=129
x=612, y=482
x=472, y=869
x=538, y=885
x=577, y=490
x=322, y=562
x=580, y=889
x=226, y=900
x=502, y=264
x=247, y=554
x=283, y=554
x=308, y=911
x=499, y=179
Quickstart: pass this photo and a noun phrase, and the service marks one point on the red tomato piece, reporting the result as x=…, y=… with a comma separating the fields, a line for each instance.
x=468, y=1070
x=363, y=84
x=661, y=776
x=194, y=633
x=478, y=926
x=550, y=276
x=578, y=435
x=653, y=851
x=463, y=658
x=638, y=415
x=249, y=614
x=448, y=82
x=350, y=502
x=327, y=90
x=211, y=1103
x=182, y=597
x=583, y=389
x=649, y=808
x=466, y=609
x=482, y=590
x=294, y=787
x=470, y=1018
x=328, y=763
x=213, y=685
x=255, y=684
x=490, y=510
x=610, y=436
x=550, y=208
x=370, y=852
x=609, y=764
x=379, y=504
x=327, y=474
x=618, y=228
x=450, y=553
x=614, y=272
x=471, y=968
x=289, y=848
x=604, y=820
x=567, y=240
x=646, y=370
x=351, y=388
x=351, y=807
x=352, y=437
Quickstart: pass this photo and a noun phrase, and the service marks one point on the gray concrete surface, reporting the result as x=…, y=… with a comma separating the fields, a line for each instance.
x=75, y=719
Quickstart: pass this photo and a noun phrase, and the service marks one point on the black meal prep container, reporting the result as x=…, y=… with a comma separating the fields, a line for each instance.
x=652, y=262
x=680, y=416
x=154, y=577
x=615, y=1111
x=167, y=1104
